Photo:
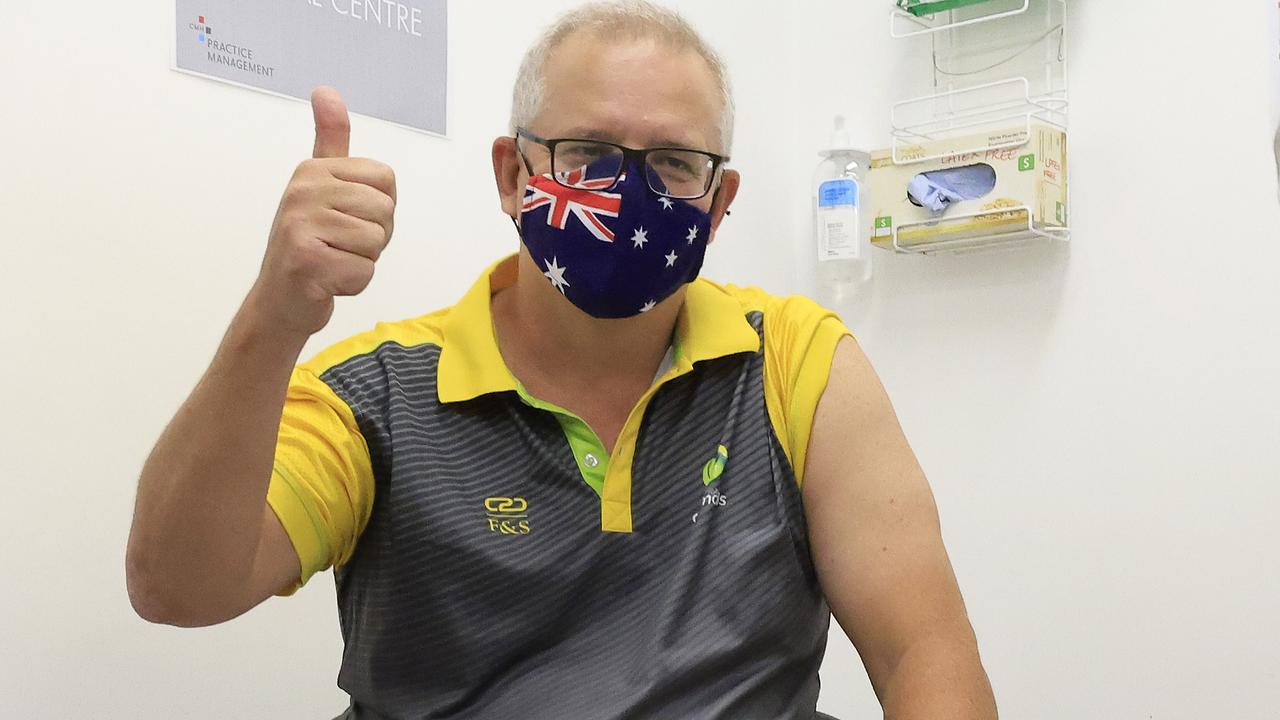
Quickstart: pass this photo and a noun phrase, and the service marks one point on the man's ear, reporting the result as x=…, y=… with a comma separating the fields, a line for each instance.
x=507, y=170
x=729, y=181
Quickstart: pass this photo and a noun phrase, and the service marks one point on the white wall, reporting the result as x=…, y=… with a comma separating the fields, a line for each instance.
x=1098, y=422
x=1273, y=23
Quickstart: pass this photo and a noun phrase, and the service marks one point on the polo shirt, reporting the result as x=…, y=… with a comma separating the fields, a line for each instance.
x=491, y=558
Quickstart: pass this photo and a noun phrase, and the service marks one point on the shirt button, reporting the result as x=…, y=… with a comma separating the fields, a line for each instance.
x=591, y=460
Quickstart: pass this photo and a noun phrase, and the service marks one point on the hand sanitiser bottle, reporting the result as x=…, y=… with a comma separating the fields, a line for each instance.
x=844, y=263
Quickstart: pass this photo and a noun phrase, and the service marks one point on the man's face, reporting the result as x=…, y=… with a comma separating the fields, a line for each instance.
x=637, y=93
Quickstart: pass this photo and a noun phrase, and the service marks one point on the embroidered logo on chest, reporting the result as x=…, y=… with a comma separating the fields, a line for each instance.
x=507, y=516
x=711, y=473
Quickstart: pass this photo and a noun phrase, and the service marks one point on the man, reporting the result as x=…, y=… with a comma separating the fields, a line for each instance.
x=594, y=488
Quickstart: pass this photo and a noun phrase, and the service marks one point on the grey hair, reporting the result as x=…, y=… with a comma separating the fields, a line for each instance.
x=635, y=19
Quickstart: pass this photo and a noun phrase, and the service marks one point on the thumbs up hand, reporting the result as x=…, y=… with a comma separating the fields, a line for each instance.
x=333, y=126
x=333, y=222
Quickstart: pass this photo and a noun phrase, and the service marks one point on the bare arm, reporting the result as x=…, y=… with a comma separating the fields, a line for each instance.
x=201, y=505
x=878, y=549
x=205, y=546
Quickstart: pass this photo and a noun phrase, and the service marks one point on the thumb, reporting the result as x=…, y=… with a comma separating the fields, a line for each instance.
x=333, y=125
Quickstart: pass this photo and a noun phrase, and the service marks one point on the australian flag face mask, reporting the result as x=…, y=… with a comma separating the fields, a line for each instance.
x=613, y=254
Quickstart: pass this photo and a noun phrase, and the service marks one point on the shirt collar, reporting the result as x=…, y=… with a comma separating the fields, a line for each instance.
x=470, y=363
x=711, y=324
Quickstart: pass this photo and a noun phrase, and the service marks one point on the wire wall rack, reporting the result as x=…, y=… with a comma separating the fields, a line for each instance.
x=999, y=69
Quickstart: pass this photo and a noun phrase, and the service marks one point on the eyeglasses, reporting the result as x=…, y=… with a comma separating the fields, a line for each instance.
x=677, y=173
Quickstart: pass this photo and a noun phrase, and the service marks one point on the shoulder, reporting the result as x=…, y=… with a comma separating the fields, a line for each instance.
x=788, y=319
x=410, y=332
x=800, y=341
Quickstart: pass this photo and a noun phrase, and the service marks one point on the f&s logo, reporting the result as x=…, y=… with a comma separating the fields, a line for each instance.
x=507, y=516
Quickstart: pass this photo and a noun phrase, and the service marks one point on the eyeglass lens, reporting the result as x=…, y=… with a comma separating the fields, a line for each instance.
x=674, y=173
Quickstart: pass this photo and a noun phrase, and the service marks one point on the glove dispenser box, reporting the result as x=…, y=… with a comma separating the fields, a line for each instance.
x=1007, y=186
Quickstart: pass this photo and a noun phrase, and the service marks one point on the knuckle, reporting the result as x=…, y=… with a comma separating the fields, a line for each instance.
x=377, y=242
x=384, y=174
x=300, y=192
x=307, y=168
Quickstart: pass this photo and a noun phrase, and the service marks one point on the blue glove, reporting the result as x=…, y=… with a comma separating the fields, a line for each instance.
x=938, y=189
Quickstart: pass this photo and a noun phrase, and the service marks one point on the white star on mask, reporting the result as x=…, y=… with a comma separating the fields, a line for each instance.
x=671, y=259
x=693, y=234
x=640, y=238
x=648, y=306
x=556, y=274
x=666, y=202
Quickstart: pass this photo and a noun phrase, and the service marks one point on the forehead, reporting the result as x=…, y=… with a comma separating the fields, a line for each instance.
x=634, y=91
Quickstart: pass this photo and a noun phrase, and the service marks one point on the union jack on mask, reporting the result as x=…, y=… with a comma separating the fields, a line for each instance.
x=613, y=254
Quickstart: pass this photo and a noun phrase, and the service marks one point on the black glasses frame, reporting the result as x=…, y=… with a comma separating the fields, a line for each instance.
x=641, y=155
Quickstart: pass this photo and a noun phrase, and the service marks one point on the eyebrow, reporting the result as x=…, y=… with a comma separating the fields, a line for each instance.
x=586, y=133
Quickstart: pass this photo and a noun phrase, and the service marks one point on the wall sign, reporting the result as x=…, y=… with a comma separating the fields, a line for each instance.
x=388, y=58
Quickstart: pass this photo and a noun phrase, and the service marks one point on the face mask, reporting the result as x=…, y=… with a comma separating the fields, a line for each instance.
x=612, y=254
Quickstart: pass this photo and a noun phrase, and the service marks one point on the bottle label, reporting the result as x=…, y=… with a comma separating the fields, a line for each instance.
x=838, y=192
x=838, y=220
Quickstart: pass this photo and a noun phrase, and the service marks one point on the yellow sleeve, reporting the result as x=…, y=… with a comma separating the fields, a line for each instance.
x=800, y=343
x=322, y=481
